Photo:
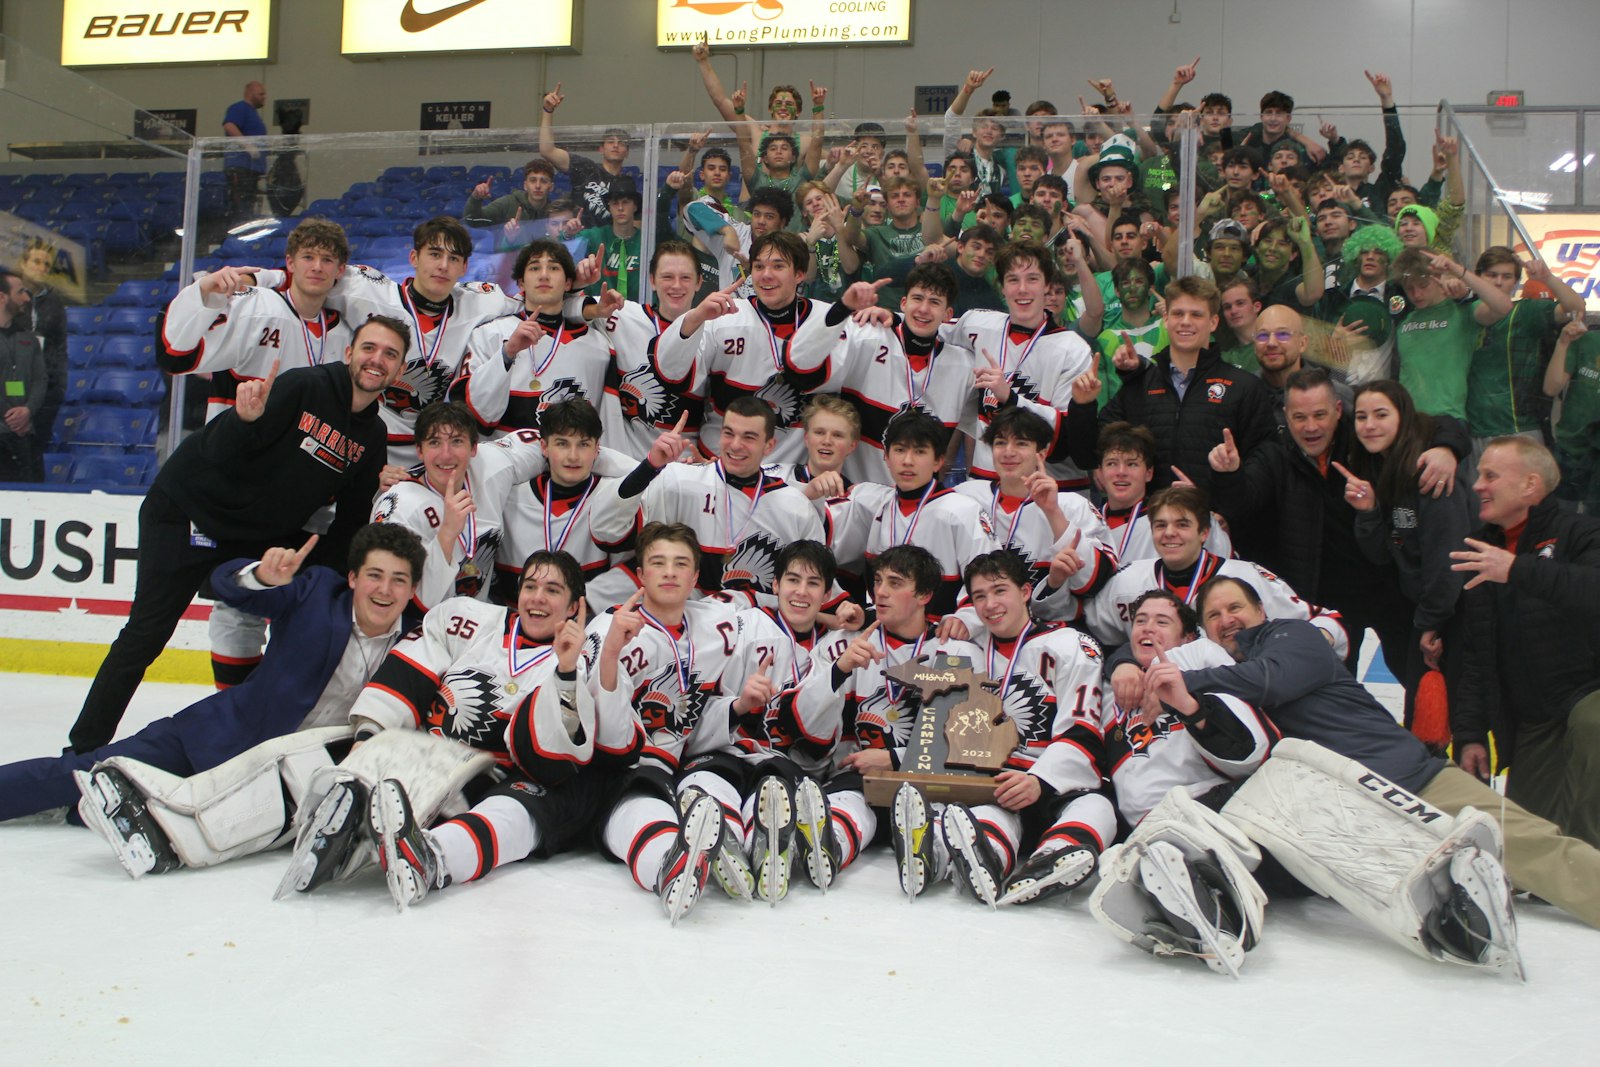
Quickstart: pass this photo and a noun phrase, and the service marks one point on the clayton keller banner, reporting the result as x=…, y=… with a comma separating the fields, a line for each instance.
x=779, y=23
x=400, y=27
x=114, y=33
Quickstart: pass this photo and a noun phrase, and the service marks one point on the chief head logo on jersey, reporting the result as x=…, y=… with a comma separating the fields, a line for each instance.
x=643, y=398
x=463, y=709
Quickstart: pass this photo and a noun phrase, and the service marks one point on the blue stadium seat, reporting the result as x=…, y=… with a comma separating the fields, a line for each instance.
x=136, y=320
x=123, y=472
x=124, y=237
x=127, y=350
x=57, y=467
x=137, y=294
x=79, y=381
x=67, y=420
x=438, y=175
x=113, y=428
x=485, y=173
x=127, y=387
x=401, y=174
x=81, y=349
x=85, y=320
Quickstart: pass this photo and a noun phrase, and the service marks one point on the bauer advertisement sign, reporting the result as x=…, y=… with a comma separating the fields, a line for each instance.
x=777, y=23
x=68, y=562
x=406, y=27
x=114, y=33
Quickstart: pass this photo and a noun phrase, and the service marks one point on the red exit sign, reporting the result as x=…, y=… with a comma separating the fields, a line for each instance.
x=1507, y=98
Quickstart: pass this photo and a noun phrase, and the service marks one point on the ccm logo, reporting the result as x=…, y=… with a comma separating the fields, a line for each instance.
x=162, y=24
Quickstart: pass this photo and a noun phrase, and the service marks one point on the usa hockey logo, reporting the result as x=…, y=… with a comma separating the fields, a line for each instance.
x=464, y=709
x=644, y=399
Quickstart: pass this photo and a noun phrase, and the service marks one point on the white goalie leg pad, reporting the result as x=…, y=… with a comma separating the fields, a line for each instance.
x=1144, y=893
x=1394, y=861
x=238, y=807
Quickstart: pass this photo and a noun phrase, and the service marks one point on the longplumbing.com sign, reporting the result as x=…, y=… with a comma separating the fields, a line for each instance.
x=779, y=23
x=105, y=33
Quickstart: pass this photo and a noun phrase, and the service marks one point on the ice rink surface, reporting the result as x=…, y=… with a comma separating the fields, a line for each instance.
x=568, y=961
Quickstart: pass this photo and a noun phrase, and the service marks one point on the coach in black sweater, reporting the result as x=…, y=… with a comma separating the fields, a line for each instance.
x=1186, y=396
x=249, y=480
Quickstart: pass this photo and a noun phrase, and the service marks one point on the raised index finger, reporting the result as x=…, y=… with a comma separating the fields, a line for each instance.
x=272, y=375
x=583, y=612
x=305, y=549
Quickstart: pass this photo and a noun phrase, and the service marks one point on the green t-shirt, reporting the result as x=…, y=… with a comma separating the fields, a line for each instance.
x=619, y=261
x=1505, y=385
x=1435, y=348
x=798, y=176
x=830, y=280
x=1243, y=357
x=887, y=242
x=1147, y=341
x=1113, y=302
x=1580, y=410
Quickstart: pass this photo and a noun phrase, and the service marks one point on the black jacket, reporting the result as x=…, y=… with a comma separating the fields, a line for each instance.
x=261, y=482
x=1417, y=534
x=1219, y=395
x=1291, y=673
x=1533, y=642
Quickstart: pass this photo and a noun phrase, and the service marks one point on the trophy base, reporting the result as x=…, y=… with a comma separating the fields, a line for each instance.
x=881, y=787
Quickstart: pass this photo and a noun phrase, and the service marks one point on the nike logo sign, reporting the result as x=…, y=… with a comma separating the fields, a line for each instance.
x=414, y=21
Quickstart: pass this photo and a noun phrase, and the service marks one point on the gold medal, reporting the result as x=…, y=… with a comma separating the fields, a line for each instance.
x=469, y=570
x=893, y=714
x=533, y=383
x=511, y=688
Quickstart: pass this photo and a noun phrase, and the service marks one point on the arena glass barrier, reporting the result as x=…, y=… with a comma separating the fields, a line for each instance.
x=92, y=193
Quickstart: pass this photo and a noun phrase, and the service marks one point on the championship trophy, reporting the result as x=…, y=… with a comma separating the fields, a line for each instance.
x=960, y=738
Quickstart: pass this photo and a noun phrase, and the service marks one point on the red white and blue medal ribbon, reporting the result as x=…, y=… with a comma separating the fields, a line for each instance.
x=889, y=685
x=1011, y=665
x=1127, y=529
x=727, y=501
x=313, y=356
x=772, y=337
x=684, y=664
x=894, y=515
x=914, y=394
x=1016, y=516
x=550, y=356
x=519, y=660
x=572, y=514
x=430, y=352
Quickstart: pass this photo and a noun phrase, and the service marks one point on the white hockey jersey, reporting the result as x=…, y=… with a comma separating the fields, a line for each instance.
x=1145, y=762
x=468, y=674
x=571, y=363
x=438, y=343
x=1110, y=612
x=542, y=516
x=748, y=354
x=645, y=394
x=666, y=678
x=952, y=526
x=762, y=634
x=729, y=269
x=239, y=337
x=1130, y=534
x=493, y=475
x=881, y=381
x=1049, y=677
x=1019, y=526
x=1041, y=365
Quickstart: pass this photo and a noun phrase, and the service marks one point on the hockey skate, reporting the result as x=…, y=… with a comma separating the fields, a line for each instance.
x=411, y=861
x=731, y=866
x=774, y=841
x=1198, y=904
x=331, y=834
x=687, y=864
x=1047, y=874
x=913, y=840
x=814, y=833
x=1475, y=923
x=117, y=811
x=975, y=864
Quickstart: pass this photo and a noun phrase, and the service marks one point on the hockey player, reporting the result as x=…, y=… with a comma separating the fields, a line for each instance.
x=1148, y=749
x=851, y=719
x=567, y=508
x=441, y=310
x=1126, y=466
x=504, y=681
x=903, y=365
x=458, y=500
x=773, y=346
x=714, y=227
x=1178, y=521
x=250, y=479
x=647, y=396
x=741, y=515
x=657, y=660
x=1059, y=536
x=774, y=649
x=330, y=633
x=519, y=364
x=954, y=527
x=832, y=436
x=1022, y=357
x=1048, y=800
x=222, y=326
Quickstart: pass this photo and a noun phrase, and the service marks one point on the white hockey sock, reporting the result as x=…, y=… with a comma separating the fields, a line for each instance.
x=1003, y=829
x=496, y=831
x=854, y=823
x=1087, y=820
x=638, y=832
